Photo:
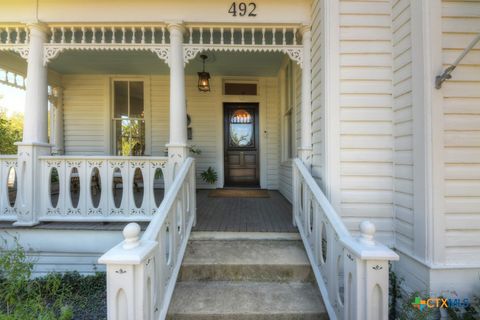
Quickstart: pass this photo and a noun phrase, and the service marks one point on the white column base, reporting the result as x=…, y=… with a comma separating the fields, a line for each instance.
x=58, y=151
x=177, y=154
x=29, y=177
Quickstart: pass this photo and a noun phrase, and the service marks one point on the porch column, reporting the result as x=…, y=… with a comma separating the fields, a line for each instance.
x=305, y=150
x=59, y=144
x=35, y=130
x=177, y=146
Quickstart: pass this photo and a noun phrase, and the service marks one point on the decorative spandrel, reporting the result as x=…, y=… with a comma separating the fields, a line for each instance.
x=241, y=129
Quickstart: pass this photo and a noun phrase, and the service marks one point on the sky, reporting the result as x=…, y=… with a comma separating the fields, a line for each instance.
x=12, y=99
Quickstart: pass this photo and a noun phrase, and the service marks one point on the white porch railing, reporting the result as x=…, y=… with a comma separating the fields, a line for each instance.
x=101, y=188
x=141, y=273
x=8, y=187
x=352, y=273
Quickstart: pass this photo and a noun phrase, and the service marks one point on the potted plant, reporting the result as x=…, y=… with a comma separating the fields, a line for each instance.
x=209, y=176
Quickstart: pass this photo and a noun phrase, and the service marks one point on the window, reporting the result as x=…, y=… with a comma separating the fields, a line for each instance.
x=129, y=118
x=240, y=88
x=288, y=116
x=288, y=133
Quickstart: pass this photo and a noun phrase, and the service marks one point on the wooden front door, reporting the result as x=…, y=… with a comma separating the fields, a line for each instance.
x=241, y=145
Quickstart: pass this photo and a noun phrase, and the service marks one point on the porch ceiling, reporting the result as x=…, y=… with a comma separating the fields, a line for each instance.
x=254, y=64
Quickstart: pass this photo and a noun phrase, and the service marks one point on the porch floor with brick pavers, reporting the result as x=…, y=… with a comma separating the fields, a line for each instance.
x=273, y=214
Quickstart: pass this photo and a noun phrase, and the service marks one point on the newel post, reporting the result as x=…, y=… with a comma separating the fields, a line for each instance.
x=130, y=280
x=366, y=276
x=177, y=146
x=35, y=130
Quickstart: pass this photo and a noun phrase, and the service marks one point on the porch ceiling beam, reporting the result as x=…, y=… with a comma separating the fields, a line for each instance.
x=295, y=53
x=115, y=37
x=156, y=38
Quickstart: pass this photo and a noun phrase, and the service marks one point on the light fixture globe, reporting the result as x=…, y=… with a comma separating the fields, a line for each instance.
x=203, y=77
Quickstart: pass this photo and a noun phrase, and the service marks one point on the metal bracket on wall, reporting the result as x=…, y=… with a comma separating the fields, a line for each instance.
x=447, y=74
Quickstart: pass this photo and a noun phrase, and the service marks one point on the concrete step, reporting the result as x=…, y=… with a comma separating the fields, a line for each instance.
x=244, y=300
x=246, y=260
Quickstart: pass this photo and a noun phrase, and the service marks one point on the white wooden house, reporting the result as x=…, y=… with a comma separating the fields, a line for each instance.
x=333, y=103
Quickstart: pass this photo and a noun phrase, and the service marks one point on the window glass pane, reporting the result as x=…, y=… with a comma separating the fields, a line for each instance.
x=137, y=137
x=241, y=129
x=120, y=99
x=130, y=137
x=136, y=99
x=118, y=137
x=247, y=89
x=289, y=135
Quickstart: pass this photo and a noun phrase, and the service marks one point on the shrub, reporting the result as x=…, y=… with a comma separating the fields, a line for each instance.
x=53, y=297
x=400, y=306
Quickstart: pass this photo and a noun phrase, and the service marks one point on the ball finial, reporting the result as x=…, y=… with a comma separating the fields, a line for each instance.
x=367, y=232
x=131, y=234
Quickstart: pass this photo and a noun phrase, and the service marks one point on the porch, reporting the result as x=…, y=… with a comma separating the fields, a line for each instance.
x=214, y=214
x=91, y=177
x=113, y=115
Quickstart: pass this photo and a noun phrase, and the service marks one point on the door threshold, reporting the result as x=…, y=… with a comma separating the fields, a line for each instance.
x=242, y=188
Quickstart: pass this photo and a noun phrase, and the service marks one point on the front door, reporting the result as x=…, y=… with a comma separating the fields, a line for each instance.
x=241, y=145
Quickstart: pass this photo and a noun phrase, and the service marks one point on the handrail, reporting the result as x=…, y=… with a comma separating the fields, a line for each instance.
x=332, y=216
x=142, y=272
x=447, y=74
x=351, y=273
x=156, y=224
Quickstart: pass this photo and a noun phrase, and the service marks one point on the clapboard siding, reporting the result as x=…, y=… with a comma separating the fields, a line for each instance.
x=273, y=132
x=403, y=124
x=460, y=24
x=159, y=105
x=318, y=112
x=366, y=117
x=84, y=100
x=205, y=110
x=285, y=183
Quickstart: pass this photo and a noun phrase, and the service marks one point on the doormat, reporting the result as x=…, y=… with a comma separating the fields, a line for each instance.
x=239, y=193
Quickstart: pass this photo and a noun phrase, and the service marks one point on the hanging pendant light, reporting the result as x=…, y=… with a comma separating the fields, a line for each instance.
x=203, y=77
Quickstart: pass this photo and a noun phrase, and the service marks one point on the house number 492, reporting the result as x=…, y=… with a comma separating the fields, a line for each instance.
x=243, y=9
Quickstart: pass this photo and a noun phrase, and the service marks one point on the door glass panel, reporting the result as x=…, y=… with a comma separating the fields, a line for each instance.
x=241, y=129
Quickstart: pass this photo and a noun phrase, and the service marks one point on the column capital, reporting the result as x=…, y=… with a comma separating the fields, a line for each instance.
x=304, y=29
x=177, y=26
x=38, y=28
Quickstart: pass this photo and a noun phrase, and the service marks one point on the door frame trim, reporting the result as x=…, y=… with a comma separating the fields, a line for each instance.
x=261, y=99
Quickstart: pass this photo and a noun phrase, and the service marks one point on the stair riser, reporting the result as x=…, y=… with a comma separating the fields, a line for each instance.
x=316, y=316
x=265, y=273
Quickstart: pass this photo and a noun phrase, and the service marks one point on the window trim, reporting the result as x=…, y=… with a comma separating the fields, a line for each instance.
x=289, y=111
x=146, y=110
